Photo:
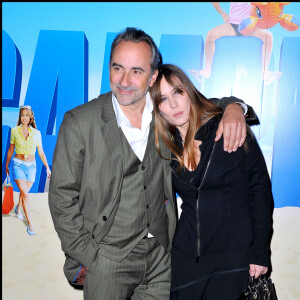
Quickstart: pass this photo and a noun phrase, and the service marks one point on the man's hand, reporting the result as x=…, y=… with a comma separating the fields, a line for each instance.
x=233, y=127
x=256, y=270
x=81, y=276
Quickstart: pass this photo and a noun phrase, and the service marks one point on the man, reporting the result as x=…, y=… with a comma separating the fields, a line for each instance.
x=109, y=189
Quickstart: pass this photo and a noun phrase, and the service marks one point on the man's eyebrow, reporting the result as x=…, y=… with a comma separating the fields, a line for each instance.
x=138, y=69
x=116, y=65
x=133, y=68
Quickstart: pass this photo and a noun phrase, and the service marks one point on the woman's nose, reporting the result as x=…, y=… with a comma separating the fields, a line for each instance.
x=173, y=103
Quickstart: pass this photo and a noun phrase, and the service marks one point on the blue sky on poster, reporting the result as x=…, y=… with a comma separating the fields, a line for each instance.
x=23, y=22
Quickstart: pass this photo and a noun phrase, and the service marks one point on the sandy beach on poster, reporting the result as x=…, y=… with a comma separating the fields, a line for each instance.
x=32, y=266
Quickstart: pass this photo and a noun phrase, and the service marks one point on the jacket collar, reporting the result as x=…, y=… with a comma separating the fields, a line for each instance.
x=205, y=133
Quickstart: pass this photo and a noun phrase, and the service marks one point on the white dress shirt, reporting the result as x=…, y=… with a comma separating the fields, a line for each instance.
x=137, y=138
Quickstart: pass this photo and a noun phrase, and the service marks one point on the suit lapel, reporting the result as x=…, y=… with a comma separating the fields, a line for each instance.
x=112, y=135
x=166, y=152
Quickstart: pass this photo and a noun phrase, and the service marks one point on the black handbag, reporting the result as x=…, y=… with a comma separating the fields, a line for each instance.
x=259, y=289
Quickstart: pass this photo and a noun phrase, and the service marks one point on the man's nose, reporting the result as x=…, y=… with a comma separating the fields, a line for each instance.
x=125, y=80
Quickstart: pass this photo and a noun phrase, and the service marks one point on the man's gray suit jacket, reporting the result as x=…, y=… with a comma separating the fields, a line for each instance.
x=86, y=180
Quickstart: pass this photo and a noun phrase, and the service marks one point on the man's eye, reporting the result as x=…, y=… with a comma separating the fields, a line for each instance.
x=137, y=72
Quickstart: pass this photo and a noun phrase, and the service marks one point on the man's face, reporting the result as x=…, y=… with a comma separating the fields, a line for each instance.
x=130, y=72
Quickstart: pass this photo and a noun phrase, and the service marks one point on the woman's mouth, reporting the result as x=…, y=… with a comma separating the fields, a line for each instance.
x=177, y=115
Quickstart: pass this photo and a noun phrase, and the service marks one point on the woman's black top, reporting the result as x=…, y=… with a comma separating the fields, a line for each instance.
x=226, y=199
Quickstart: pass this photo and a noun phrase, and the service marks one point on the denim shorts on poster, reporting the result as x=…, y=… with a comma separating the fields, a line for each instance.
x=23, y=170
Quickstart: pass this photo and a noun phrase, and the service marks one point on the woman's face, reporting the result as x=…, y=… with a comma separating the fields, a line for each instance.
x=25, y=117
x=175, y=105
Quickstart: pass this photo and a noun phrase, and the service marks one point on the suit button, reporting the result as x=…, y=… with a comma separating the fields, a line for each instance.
x=143, y=167
x=148, y=225
x=104, y=218
x=145, y=187
x=147, y=206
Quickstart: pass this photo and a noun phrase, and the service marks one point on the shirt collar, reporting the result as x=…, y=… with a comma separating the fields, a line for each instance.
x=30, y=130
x=121, y=117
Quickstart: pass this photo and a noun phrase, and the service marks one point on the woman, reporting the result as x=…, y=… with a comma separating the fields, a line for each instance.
x=238, y=12
x=25, y=138
x=222, y=233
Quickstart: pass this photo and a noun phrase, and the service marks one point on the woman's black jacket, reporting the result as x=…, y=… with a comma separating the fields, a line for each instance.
x=231, y=209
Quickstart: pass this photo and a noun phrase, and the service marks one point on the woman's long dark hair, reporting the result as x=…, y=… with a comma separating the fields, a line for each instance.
x=201, y=111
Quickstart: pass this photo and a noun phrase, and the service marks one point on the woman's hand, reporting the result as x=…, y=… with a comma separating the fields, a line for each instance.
x=48, y=172
x=225, y=17
x=256, y=270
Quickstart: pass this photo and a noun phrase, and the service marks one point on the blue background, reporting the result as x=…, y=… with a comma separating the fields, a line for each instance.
x=55, y=57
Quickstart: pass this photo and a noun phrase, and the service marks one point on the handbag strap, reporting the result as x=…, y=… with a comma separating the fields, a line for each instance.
x=8, y=179
x=251, y=281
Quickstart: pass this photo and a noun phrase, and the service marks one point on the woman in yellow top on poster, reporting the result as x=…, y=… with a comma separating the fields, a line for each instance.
x=25, y=138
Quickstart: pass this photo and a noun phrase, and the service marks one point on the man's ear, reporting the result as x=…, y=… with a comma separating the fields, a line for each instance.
x=153, y=78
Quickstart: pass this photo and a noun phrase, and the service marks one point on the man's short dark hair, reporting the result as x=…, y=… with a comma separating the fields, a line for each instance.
x=132, y=34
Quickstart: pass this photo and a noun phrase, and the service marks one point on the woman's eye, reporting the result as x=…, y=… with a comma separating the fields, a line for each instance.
x=163, y=99
x=178, y=92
